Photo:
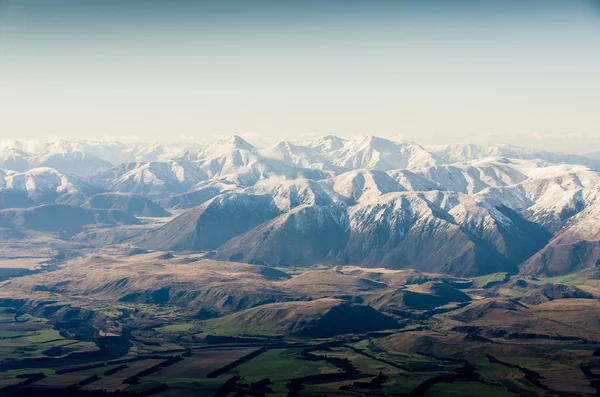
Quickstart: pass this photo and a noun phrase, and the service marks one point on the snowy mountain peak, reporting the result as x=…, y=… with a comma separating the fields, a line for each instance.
x=218, y=148
x=328, y=143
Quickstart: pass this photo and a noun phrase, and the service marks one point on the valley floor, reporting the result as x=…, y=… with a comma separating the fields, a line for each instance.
x=126, y=324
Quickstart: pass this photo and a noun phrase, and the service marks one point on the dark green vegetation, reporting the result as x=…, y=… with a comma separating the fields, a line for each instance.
x=140, y=323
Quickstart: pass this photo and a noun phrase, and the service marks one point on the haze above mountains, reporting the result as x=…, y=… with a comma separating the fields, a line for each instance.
x=465, y=210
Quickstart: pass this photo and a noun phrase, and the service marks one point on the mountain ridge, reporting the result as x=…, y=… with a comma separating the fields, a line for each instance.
x=367, y=201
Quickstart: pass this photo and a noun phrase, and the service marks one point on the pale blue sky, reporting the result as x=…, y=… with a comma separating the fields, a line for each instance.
x=522, y=72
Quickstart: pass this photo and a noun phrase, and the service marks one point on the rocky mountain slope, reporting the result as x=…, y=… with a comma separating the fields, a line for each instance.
x=369, y=201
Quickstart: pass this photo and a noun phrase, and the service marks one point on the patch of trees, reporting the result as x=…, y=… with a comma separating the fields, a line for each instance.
x=75, y=392
x=122, y=364
x=137, y=358
x=81, y=331
x=381, y=360
x=88, y=380
x=375, y=383
x=61, y=371
x=440, y=358
x=532, y=376
x=233, y=364
x=31, y=378
x=135, y=379
x=113, y=371
x=219, y=339
x=466, y=372
x=110, y=347
x=255, y=389
x=349, y=371
x=586, y=368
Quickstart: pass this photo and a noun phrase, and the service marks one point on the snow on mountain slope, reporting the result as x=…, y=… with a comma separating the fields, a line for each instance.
x=218, y=148
x=475, y=176
x=119, y=152
x=305, y=235
x=367, y=152
x=575, y=247
x=200, y=193
x=463, y=209
x=155, y=180
x=328, y=144
x=551, y=194
x=213, y=223
x=397, y=230
x=381, y=154
x=13, y=159
x=465, y=152
x=295, y=155
x=490, y=220
x=112, y=152
x=583, y=226
x=413, y=181
x=47, y=185
x=246, y=168
x=78, y=163
x=421, y=228
x=157, y=152
x=364, y=185
x=288, y=194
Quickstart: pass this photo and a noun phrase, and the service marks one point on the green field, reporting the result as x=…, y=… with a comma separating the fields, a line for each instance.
x=35, y=340
x=174, y=328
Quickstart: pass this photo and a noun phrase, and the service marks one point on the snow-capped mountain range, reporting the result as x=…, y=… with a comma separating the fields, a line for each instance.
x=461, y=209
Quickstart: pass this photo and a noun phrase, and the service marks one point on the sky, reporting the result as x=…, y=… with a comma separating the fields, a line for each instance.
x=524, y=72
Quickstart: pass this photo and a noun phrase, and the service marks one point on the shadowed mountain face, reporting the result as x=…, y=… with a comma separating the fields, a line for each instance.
x=63, y=220
x=459, y=209
x=399, y=232
x=213, y=223
x=130, y=203
x=14, y=199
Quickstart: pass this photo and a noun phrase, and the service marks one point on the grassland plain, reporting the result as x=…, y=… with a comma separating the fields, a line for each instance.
x=170, y=325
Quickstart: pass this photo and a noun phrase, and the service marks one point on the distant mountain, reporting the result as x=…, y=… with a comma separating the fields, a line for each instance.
x=291, y=193
x=460, y=209
x=130, y=203
x=64, y=220
x=218, y=148
x=575, y=247
x=296, y=155
x=453, y=234
x=213, y=223
x=14, y=199
x=112, y=152
x=199, y=194
x=246, y=167
x=47, y=185
x=381, y=154
x=364, y=185
x=460, y=152
x=362, y=153
x=78, y=163
x=593, y=155
x=155, y=180
x=302, y=236
x=13, y=159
